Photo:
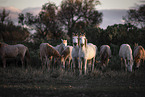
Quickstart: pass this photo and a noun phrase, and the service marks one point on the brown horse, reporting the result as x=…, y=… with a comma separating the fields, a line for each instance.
x=105, y=55
x=47, y=51
x=12, y=51
x=139, y=54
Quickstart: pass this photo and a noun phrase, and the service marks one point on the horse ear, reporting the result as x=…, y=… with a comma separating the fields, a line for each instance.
x=73, y=34
x=136, y=44
x=86, y=42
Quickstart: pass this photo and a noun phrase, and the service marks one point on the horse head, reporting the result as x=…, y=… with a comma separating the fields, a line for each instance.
x=130, y=65
x=64, y=42
x=75, y=39
x=83, y=40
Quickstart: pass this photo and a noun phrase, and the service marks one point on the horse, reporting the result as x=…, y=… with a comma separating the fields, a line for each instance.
x=61, y=46
x=66, y=54
x=87, y=51
x=125, y=54
x=75, y=51
x=47, y=51
x=12, y=51
x=105, y=55
x=139, y=54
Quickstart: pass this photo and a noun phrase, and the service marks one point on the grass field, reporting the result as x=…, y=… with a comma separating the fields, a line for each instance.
x=33, y=82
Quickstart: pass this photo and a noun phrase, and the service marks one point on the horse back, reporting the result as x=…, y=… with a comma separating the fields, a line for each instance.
x=105, y=52
x=9, y=51
x=125, y=51
x=91, y=50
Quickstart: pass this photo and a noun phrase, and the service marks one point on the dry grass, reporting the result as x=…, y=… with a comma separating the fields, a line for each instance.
x=16, y=81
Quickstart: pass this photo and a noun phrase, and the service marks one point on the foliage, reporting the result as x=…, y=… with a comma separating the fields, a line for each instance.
x=8, y=31
x=115, y=35
x=45, y=23
x=52, y=22
x=74, y=11
x=136, y=16
x=4, y=16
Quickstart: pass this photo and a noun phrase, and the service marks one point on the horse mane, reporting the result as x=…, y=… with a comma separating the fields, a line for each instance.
x=59, y=48
x=65, y=52
x=52, y=51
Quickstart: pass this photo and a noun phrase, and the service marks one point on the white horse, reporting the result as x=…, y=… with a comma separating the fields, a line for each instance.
x=105, y=54
x=125, y=54
x=61, y=46
x=12, y=51
x=75, y=51
x=87, y=51
x=67, y=54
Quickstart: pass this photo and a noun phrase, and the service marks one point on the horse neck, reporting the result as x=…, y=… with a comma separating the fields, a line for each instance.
x=130, y=57
x=83, y=48
x=60, y=47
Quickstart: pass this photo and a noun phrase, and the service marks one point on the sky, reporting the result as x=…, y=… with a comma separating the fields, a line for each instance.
x=113, y=10
x=105, y=4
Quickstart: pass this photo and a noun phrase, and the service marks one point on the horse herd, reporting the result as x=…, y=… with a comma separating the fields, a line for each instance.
x=81, y=55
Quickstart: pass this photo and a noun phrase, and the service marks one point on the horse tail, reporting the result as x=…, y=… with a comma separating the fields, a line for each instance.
x=104, y=54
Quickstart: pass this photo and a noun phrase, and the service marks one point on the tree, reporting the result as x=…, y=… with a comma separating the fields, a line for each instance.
x=45, y=23
x=136, y=16
x=21, y=18
x=73, y=11
x=4, y=16
x=10, y=32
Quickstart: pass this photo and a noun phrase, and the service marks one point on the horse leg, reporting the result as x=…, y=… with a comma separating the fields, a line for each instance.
x=70, y=63
x=4, y=62
x=80, y=63
x=93, y=61
x=42, y=63
x=107, y=62
x=121, y=63
x=138, y=63
x=73, y=65
x=85, y=63
x=48, y=63
x=64, y=64
x=22, y=61
x=125, y=65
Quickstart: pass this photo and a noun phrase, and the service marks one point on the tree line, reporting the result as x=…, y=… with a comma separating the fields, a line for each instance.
x=55, y=22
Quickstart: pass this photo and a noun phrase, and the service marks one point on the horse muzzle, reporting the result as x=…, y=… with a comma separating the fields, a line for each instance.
x=82, y=45
x=75, y=44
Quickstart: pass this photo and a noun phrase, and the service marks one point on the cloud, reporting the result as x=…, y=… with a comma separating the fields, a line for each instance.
x=14, y=12
x=112, y=16
x=3, y=1
x=34, y=11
